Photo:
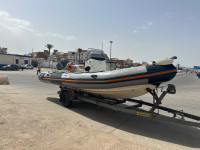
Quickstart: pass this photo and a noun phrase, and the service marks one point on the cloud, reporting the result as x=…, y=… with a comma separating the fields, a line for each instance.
x=14, y=25
x=55, y=35
x=19, y=36
x=135, y=31
x=150, y=23
x=143, y=27
x=19, y=26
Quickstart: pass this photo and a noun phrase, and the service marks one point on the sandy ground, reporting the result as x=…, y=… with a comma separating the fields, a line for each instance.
x=31, y=117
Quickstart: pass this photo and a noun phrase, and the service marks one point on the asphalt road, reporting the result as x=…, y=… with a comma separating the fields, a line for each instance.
x=31, y=117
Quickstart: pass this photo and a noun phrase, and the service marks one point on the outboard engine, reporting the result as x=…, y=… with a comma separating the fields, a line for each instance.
x=62, y=64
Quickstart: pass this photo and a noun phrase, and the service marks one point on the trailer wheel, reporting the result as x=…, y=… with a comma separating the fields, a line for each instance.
x=66, y=100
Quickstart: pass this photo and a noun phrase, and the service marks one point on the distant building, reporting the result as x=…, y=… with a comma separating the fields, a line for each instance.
x=14, y=59
x=80, y=56
x=3, y=50
x=72, y=56
x=33, y=54
x=56, y=55
x=44, y=54
x=63, y=55
x=40, y=55
x=129, y=62
x=83, y=56
x=137, y=64
x=144, y=63
x=122, y=63
x=119, y=63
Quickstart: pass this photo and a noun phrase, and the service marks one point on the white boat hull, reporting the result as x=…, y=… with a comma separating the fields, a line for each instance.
x=122, y=92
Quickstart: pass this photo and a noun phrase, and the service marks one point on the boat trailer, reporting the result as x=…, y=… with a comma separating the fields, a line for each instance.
x=67, y=96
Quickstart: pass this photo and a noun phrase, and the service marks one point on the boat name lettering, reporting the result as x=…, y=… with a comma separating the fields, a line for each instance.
x=65, y=76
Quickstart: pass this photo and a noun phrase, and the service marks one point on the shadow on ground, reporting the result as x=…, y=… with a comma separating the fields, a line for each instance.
x=169, y=132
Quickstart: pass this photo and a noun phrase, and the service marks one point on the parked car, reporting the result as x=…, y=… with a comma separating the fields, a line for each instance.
x=27, y=66
x=1, y=66
x=10, y=67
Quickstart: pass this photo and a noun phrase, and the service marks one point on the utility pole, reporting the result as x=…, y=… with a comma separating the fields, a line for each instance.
x=110, y=52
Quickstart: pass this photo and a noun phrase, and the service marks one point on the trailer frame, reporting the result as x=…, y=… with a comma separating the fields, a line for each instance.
x=178, y=116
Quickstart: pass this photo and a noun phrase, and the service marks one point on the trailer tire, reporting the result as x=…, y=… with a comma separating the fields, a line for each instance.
x=66, y=100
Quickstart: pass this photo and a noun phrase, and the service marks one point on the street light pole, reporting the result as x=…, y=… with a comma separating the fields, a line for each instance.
x=110, y=52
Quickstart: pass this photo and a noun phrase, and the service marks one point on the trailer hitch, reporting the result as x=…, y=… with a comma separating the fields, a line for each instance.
x=171, y=89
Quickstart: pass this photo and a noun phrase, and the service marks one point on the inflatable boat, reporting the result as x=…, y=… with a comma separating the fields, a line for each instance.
x=115, y=84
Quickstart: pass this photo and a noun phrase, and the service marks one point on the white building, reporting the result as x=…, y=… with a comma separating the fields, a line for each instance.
x=72, y=56
x=83, y=56
x=14, y=59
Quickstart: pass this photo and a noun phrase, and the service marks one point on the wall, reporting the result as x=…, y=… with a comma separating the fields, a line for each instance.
x=6, y=59
x=11, y=59
x=46, y=64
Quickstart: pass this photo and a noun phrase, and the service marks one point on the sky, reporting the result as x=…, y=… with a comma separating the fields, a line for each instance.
x=141, y=30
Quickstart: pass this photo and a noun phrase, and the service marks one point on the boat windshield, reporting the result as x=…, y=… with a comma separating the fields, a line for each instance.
x=96, y=54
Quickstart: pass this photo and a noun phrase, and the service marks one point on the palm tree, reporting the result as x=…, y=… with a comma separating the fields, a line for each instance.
x=79, y=52
x=49, y=46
